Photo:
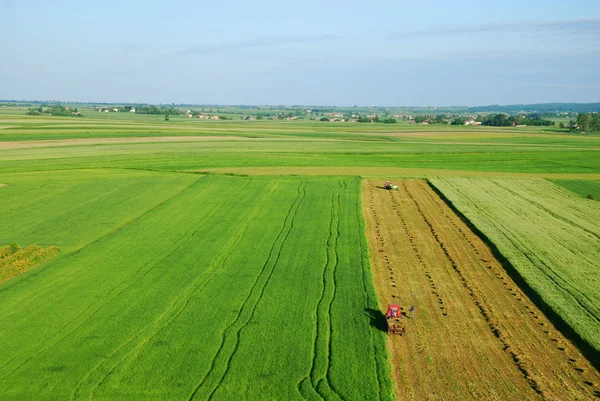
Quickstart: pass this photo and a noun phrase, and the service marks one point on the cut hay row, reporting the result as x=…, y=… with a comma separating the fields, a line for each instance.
x=548, y=234
x=475, y=334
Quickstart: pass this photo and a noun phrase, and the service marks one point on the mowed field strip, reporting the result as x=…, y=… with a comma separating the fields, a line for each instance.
x=212, y=288
x=475, y=334
x=550, y=235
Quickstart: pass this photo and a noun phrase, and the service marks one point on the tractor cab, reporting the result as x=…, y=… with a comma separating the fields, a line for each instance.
x=393, y=320
x=387, y=185
x=394, y=310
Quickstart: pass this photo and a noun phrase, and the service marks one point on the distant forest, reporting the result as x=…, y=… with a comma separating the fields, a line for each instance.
x=540, y=108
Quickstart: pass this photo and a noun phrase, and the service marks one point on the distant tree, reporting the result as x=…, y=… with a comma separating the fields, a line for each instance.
x=167, y=118
x=588, y=122
x=458, y=121
x=324, y=119
x=594, y=122
x=561, y=125
x=497, y=120
x=583, y=122
x=572, y=125
x=389, y=121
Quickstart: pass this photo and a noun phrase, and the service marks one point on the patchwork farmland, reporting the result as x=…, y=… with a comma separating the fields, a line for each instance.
x=141, y=259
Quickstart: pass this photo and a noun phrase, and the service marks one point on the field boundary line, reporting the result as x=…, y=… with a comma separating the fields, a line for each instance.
x=544, y=269
x=367, y=271
x=586, y=349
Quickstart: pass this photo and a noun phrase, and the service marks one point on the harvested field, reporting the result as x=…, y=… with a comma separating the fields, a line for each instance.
x=475, y=334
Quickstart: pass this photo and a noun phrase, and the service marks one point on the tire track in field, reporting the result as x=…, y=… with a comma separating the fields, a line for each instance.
x=480, y=304
x=150, y=331
x=327, y=379
x=115, y=231
x=251, y=302
x=318, y=383
x=119, y=289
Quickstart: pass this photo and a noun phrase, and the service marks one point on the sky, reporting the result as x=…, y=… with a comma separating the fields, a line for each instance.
x=343, y=53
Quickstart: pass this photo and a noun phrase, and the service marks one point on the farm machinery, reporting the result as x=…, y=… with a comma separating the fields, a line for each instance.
x=393, y=320
x=389, y=185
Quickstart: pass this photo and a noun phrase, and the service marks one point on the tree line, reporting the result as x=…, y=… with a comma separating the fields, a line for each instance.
x=586, y=122
x=503, y=120
x=56, y=110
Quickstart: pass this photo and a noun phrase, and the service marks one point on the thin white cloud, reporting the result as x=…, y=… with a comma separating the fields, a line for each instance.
x=585, y=27
x=269, y=41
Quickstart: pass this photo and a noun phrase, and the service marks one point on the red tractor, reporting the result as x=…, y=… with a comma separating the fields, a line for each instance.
x=393, y=320
x=388, y=185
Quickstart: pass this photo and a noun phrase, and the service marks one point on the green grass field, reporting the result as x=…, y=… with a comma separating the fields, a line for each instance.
x=227, y=260
x=177, y=286
x=584, y=188
x=548, y=234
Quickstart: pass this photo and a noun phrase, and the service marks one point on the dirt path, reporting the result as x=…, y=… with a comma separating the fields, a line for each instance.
x=475, y=335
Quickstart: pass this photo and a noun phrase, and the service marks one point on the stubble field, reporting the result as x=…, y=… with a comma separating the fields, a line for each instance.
x=475, y=334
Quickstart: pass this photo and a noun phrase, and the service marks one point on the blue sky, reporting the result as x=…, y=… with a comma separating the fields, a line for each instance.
x=389, y=53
